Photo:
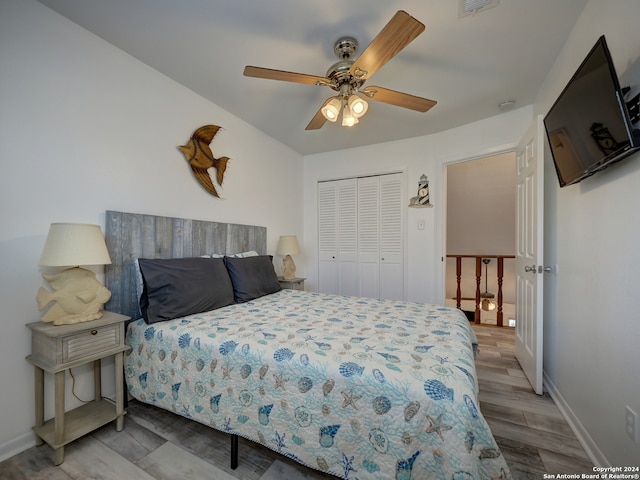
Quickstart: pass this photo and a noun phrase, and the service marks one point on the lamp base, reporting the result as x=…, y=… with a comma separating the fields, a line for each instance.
x=77, y=297
x=288, y=268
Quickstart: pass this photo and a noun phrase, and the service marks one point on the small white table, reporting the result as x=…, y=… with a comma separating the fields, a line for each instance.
x=292, y=283
x=57, y=348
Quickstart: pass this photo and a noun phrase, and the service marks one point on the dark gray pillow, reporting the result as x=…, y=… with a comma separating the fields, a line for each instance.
x=178, y=287
x=252, y=277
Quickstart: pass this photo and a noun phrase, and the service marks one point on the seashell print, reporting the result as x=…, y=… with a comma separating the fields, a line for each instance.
x=473, y=410
x=174, y=390
x=326, y=410
x=268, y=336
x=263, y=414
x=199, y=364
x=378, y=375
x=263, y=371
x=160, y=335
x=389, y=357
x=349, y=369
x=370, y=466
x=243, y=419
x=466, y=372
x=303, y=416
x=245, y=370
x=440, y=332
x=405, y=467
x=381, y=405
x=162, y=354
x=305, y=384
x=148, y=333
x=262, y=391
x=196, y=343
x=283, y=354
x=184, y=340
x=304, y=359
x=214, y=364
x=469, y=441
x=228, y=347
x=327, y=435
x=406, y=439
x=410, y=410
x=487, y=452
x=323, y=345
x=322, y=463
x=378, y=440
x=246, y=348
x=222, y=329
x=297, y=440
x=140, y=347
x=261, y=438
x=214, y=403
x=245, y=398
x=284, y=404
x=328, y=386
x=357, y=339
x=416, y=357
x=422, y=348
x=355, y=424
x=174, y=354
x=143, y=379
x=198, y=408
x=438, y=390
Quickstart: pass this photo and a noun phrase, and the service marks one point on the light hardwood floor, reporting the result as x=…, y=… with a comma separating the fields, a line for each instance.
x=533, y=437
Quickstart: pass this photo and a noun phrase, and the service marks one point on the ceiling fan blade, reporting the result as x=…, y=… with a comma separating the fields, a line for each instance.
x=272, y=74
x=318, y=120
x=398, y=99
x=397, y=34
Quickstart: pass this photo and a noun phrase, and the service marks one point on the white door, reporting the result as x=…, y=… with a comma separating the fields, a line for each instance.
x=529, y=253
x=391, y=228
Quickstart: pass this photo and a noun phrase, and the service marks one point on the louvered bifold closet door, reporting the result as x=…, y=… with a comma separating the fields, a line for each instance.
x=337, y=237
x=369, y=236
x=391, y=240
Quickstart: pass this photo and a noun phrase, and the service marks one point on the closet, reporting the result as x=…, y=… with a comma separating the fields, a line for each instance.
x=360, y=237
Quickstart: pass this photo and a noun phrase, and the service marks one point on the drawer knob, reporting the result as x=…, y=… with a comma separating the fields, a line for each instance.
x=94, y=332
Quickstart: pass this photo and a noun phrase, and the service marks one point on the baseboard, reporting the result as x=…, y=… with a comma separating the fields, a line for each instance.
x=590, y=447
x=15, y=446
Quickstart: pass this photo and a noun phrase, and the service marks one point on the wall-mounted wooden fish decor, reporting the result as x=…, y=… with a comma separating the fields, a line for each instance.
x=201, y=159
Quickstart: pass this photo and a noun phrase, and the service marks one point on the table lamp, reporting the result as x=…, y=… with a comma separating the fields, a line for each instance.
x=287, y=246
x=77, y=295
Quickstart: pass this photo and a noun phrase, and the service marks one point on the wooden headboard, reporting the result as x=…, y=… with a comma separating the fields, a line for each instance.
x=130, y=236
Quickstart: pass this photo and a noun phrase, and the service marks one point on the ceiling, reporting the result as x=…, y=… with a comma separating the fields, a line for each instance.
x=468, y=65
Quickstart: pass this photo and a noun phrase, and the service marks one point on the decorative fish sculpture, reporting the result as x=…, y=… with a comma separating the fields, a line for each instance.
x=201, y=159
x=77, y=294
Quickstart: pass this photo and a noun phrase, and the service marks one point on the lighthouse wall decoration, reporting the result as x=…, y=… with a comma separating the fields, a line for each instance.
x=422, y=199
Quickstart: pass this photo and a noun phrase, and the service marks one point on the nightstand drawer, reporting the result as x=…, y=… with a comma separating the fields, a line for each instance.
x=90, y=342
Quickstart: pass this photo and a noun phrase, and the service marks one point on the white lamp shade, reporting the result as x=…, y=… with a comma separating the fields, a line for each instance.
x=331, y=109
x=288, y=245
x=74, y=244
x=357, y=105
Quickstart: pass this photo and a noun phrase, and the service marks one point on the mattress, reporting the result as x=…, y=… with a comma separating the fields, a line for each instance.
x=358, y=388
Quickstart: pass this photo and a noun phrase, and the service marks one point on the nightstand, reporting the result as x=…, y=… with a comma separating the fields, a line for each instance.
x=292, y=283
x=57, y=348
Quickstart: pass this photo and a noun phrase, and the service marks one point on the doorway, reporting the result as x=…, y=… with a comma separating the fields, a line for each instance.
x=480, y=220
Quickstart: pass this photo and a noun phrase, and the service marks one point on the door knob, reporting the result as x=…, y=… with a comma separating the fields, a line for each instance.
x=531, y=268
x=544, y=269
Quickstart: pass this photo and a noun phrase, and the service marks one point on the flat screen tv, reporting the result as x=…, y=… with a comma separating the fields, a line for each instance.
x=588, y=126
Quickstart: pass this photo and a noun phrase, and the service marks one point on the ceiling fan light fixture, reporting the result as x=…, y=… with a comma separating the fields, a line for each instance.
x=348, y=120
x=357, y=105
x=331, y=109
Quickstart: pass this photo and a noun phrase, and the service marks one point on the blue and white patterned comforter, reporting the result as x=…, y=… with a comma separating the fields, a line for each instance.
x=359, y=388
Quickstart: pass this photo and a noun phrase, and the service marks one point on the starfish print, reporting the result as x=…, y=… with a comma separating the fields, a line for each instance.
x=436, y=426
x=279, y=381
x=226, y=371
x=350, y=399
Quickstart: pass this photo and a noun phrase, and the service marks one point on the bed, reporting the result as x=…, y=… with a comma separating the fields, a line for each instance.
x=358, y=388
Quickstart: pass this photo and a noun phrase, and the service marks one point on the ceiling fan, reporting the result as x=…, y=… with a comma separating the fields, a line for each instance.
x=347, y=76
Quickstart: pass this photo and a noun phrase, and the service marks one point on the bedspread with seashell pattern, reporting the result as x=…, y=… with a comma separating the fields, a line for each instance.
x=356, y=387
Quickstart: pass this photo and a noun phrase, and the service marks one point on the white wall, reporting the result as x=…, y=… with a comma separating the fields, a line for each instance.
x=424, y=271
x=86, y=128
x=592, y=324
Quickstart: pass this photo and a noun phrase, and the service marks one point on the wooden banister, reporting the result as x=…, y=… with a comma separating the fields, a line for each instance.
x=499, y=274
